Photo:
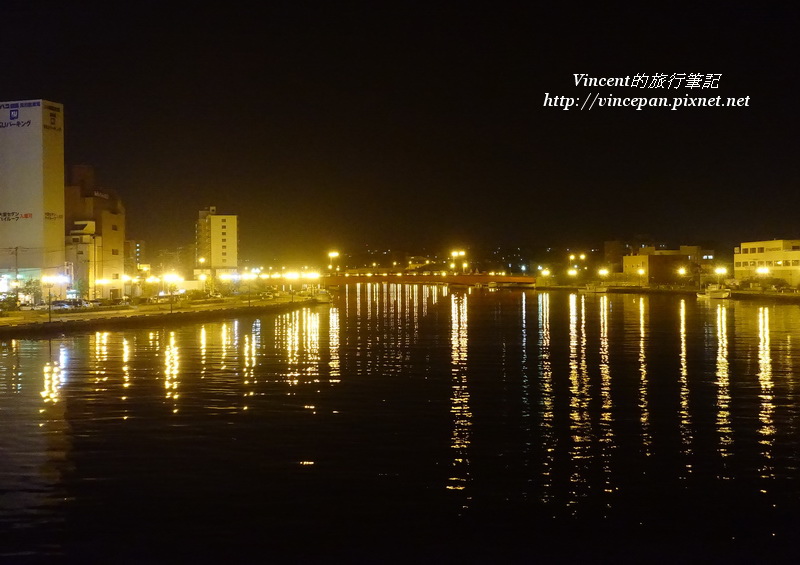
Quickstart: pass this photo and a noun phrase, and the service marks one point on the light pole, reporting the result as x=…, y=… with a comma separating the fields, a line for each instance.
x=720, y=271
x=331, y=256
x=762, y=273
x=641, y=276
x=48, y=282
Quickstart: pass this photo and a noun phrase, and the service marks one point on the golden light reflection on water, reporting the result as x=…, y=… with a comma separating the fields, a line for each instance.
x=580, y=394
x=606, y=404
x=10, y=382
x=589, y=391
x=287, y=337
x=459, y=400
x=333, y=343
x=171, y=371
x=767, y=411
x=203, y=351
x=643, y=403
x=723, y=384
x=52, y=382
x=548, y=399
x=100, y=359
x=685, y=412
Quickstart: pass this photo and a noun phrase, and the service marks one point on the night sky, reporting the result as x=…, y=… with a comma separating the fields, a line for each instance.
x=342, y=125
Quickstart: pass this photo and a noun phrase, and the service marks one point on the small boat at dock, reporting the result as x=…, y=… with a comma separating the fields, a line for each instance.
x=715, y=291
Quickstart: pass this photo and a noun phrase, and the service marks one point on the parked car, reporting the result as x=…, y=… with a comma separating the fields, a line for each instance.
x=69, y=304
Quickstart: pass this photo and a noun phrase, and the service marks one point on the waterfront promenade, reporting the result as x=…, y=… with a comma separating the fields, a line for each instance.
x=35, y=322
x=39, y=322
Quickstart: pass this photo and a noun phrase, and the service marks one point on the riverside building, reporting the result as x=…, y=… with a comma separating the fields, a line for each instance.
x=217, y=243
x=95, y=240
x=32, y=193
x=773, y=259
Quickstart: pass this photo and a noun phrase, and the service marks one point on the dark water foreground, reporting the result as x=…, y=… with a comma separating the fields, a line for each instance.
x=411, y=424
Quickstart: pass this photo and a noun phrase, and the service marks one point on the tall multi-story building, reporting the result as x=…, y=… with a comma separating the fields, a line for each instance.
x=135, y=256
x=95, y=240
x=31, y=189
x=773, y=259
x=217, y=243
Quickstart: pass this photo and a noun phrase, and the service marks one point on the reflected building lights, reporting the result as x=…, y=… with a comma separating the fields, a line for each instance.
x=723, y=384
x=767, y=411
x=333, y=341
x=685, y=413
x=460, y=406
x=51, y=390
x=643, y=405
x=203, y=351
x=171, y=366
x=547, y=396
x=100, y=358
x=606, y=404
x=580, y=428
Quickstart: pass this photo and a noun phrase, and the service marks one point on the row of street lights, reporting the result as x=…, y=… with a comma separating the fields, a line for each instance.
x=604, y=272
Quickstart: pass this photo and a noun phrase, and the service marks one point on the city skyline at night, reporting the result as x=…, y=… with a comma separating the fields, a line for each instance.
x=326, y=127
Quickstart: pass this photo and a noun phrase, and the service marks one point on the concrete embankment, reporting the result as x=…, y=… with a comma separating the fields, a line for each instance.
x=766, y=296
x=132, y=318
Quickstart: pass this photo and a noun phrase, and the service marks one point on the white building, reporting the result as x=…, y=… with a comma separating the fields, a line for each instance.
x=217, y=243
x=773, y=259
x=31, y=189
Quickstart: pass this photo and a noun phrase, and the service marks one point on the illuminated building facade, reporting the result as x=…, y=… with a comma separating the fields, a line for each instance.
x=217, y=243
x=31, y=189
x=773, y=259
x=135, y=256
x=656, y=265
x=95, y=240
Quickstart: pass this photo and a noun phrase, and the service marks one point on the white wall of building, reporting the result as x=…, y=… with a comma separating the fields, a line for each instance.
x=32, y=188
x=780, y=258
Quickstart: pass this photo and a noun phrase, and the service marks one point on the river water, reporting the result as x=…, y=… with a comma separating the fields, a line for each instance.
x=411, y=423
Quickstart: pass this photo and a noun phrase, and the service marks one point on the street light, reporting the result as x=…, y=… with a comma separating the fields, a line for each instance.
x=48, y=283
x=762, y=273
x=331, y=256
x=720, y=271
x=641, y=276
x=249, y=278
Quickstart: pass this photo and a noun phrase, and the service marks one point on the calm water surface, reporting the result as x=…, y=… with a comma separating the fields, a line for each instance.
x=409, y=423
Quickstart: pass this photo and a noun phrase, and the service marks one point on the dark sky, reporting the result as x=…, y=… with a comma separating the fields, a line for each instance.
x=406, y=124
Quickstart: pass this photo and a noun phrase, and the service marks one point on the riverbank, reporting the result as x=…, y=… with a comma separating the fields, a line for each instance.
x=770, y=296
x=31, y=324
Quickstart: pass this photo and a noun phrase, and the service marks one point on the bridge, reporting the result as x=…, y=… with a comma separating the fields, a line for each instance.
x=483, y=279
